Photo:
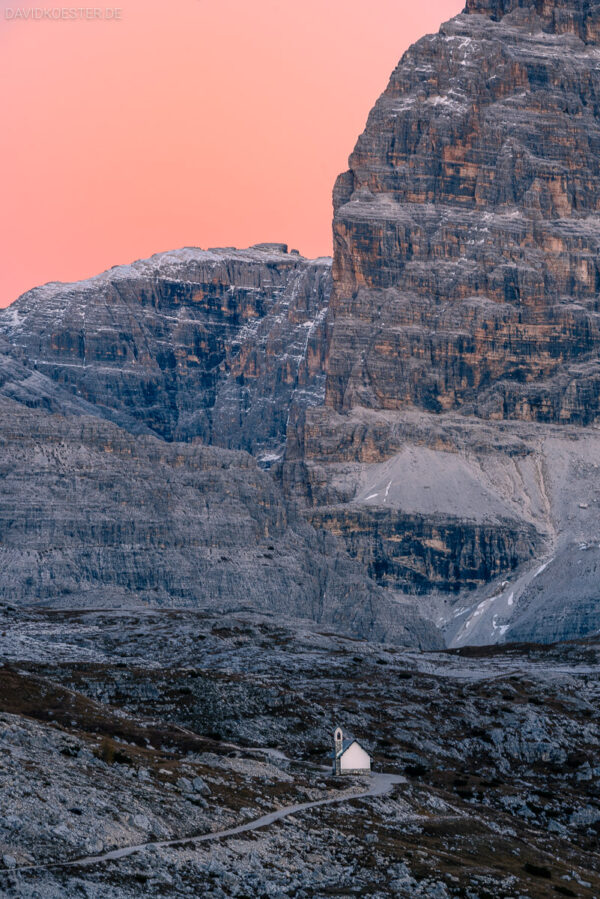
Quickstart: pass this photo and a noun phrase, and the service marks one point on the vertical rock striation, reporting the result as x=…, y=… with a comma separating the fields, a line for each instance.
x=463, y=367
x=466, y=235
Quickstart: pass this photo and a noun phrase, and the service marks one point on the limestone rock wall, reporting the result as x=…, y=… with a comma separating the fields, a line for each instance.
x=466, y=240
x=214, y=345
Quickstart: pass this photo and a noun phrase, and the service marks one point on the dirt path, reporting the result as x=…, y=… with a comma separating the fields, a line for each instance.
x=381, y=784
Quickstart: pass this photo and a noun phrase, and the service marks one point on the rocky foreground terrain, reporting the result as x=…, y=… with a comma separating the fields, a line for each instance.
x=133, y=728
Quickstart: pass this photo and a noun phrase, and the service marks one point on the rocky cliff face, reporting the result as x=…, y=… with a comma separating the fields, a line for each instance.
x=92, y=516
x=209, y=344
x=193, y=346
x=466, y=235
x=436, y=420
x=466, y=277
x=579, y=17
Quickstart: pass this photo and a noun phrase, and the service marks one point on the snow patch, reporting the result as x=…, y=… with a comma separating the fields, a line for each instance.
x=446, y=101
x=543, y=567
x=11, y=317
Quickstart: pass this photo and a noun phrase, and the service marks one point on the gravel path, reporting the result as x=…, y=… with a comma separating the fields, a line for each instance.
x=381, y=784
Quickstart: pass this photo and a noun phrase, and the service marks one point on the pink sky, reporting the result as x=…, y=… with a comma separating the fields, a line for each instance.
x=204, y=124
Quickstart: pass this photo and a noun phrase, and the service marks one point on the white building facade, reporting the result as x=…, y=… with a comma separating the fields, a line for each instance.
x=349, y=757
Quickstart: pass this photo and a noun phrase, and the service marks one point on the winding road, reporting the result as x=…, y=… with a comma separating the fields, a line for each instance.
x=381, y=784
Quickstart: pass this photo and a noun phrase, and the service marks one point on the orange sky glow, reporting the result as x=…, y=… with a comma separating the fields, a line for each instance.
x=191, y=124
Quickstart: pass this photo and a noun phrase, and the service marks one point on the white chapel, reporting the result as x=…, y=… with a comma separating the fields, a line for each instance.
x=349, y=757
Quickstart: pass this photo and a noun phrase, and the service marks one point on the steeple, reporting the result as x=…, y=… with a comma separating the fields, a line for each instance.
x=338, y=738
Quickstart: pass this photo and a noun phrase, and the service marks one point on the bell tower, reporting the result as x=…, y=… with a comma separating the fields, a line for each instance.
x=338, y=740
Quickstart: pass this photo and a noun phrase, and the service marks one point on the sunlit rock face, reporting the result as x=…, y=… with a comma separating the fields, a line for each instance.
x=579, y=17
x=466, y=236
x=454, y=452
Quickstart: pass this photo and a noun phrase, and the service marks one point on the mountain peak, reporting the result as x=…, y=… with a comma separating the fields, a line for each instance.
x=579, y=17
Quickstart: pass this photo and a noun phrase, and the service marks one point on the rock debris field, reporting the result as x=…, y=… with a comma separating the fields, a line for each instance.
x=123, y=729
